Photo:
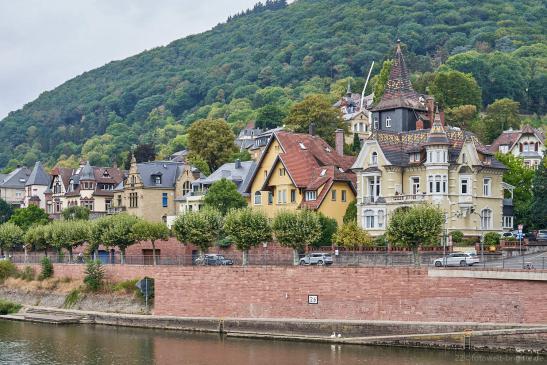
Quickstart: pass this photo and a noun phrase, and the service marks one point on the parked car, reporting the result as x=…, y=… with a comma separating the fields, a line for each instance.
x=319, y=258
x=213, y=260
x=542, y=234
x=458, y=259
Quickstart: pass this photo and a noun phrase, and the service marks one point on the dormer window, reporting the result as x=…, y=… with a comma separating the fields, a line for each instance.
x=487, y=160
x=323, y=172
x=388, y=122
x=302, y=147
x=415, y=157
x=311, y=195
x=374, y=159
x=156, y=179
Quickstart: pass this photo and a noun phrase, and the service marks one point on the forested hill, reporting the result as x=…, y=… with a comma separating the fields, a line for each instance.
x=275, y=54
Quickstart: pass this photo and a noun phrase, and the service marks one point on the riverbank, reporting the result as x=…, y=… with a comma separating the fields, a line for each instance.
x=500, y=338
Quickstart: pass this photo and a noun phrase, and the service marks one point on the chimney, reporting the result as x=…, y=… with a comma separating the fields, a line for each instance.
x=441, y=114
x=339, y=141
x=430, y=104
x=238, y=164
x=419, y=124
x=312, y=129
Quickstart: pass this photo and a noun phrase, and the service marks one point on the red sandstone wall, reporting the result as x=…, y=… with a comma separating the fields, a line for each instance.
x=403, y=294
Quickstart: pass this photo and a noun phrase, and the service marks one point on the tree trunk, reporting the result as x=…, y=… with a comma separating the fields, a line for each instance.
x=245, y=258
x=416, y=254
x=154, y=252
x=26, y=253
x=70, y=255
x=122, y=256
x=45, y=251
x=295, y=256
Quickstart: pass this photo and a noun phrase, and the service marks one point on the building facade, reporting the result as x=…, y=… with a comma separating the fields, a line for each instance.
x=36, y=187
x=527, y=144
x=12, y=186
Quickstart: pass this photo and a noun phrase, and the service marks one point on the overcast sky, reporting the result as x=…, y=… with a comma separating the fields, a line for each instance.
x=46, y=42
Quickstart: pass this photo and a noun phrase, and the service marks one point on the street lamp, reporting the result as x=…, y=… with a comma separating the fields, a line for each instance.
x=482, y=235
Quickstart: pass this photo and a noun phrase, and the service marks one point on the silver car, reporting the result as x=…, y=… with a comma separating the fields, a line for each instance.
x=319, y=258
x=458, y=259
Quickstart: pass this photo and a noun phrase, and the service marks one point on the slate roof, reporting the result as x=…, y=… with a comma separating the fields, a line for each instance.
x=64, y=173
x=169, y=170
x=38, y=176
x=510, y=137
x=399, y=92
x=86, y=173
x=240, y=174
x=16, y=179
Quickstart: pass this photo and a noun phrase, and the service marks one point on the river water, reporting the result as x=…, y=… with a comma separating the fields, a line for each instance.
x=28, y=343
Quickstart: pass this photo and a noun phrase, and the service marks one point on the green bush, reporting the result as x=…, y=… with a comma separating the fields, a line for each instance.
x=491, y=239
x=47, y=269
x=380, y=241
x=225, y=242
x=457, y=237
x=71, y=299
x=28, y=273
x=94, y=275
x=7, y=269
x=8, y=307
x=127, y=286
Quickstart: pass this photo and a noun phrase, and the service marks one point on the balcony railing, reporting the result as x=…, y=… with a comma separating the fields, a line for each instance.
x=115, y=210
x=406, y=198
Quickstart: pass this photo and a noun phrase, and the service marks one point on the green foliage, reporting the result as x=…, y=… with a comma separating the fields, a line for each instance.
x=10, y=236
x=380, y=241
x=457, y=237
x=5, y=211
x=351, y=212
x=241, y=156
x=71, y=299
x=47, y=269
x=352, y=236
x=315, y=109
x=380, y=80
x=213, y=140
x=7, y=269
x=491, y=239
x=521, y=177
x=126, y=286
x=270, y=116
x=28, y=273
x=223, y=196
x=201, y=228
x=200, y=163
x=94, y=275
x=7, y=307
x=419, y=225
x=151, y=231
x=117, y=231
x=461, y=116
x=297, y=229
x=68, y=234
x=500, y=115
x=328, y=229
x=76, y=213
x=538, y=211
x=247, y=228
x=453, y=89
x=27, y=217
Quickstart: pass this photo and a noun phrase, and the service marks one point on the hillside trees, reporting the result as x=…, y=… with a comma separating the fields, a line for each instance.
x=453, y=89
x=500, y=115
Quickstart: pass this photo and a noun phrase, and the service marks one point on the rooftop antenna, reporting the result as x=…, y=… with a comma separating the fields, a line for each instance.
x=364, y=88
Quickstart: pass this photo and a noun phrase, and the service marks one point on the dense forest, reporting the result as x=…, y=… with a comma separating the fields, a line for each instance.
x=263, y=60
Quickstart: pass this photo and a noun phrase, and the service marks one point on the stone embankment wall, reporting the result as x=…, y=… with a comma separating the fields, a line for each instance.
x=368, y=293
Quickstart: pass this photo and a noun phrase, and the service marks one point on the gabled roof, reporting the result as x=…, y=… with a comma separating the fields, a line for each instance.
x=510, y=137
x=169, y=170
x=240, y=173
x=38, y=176
x=399, y=92
x=64, y=173
x=16, y=179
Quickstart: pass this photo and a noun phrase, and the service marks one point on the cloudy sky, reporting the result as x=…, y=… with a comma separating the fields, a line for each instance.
x=46, y=42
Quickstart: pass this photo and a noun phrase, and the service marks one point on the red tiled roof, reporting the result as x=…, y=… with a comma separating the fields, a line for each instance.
x=64, y=173
x=509, y=138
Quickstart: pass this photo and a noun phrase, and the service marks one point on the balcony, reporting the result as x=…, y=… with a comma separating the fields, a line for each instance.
x=115, y=210
x=406, y=199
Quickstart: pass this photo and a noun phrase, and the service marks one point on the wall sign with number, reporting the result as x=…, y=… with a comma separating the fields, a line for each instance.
x=313, y=299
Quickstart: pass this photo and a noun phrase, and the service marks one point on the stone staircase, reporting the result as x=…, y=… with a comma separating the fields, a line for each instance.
x=48, y=315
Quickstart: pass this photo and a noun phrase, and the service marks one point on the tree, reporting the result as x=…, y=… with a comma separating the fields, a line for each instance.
x=199, y=163
x=143, y=153
x=247, y=228
x=27, y=217
x=241, y=156
x=5, y=211
x=328, y=229
x=380, y=80
x=538, y=211
x=94, y=275
x=351, y=212
x=270, y=116
x=201, y=228
x=417, y=226
x=37, y=238
x=521, y=177
x=500, y=115
x=454, y=88
x=223, y=196
x=76, y=213
x=97, y=228
x=120, y=232
x=151, y=231
x=350, y=235
x=10, y=236
x=315, y=109
x=356, y=144
x=461, y=116
x=68, y=235
x=213, y=140
x=296, y=230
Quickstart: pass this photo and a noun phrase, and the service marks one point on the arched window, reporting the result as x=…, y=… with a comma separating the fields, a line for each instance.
x=369, y=218
x=374, y=158
x=258, y=198
x=486, y=219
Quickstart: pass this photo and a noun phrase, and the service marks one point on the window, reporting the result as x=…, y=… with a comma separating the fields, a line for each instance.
x=374, y=159
x=526, y=147
x=88, y=204
x=265, y=174
x=376, y=123
x=164, y=200
x=133, y=179
x=107, y=204
x=258, y=198
x=311, y=195
x=369, y=218
x=388, y=122
x=344, y=195
x=415, y=157
x=57, y=188
x=487, y=187
x=133, y=200
x=119, y=200
x=504, y=148
x=156, y=179
x=293, y=195
x=282, y=197
x=282, y=171
x=380, y=218
x=333, y=195
x=464, y=158
x=415, y=185
x=508, y=222
x=486, y=219
x=465, y=188
x=438, y=184
x=186, y=187
x=270, y=198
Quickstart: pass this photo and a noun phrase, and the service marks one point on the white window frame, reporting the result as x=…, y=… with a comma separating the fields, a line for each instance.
x=388, y=122
x=311, y=195
x=467, y=180
x=368, y=216
x=508, y=221
x=374, y=159
x=486, y=219
x=258, y=195
x=415, y=185
x=376, y=124
x=487, y=186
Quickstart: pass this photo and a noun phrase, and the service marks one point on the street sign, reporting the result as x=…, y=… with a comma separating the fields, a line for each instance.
x=313, y=299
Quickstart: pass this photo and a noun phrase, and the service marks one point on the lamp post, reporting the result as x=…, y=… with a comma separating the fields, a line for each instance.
x=482, y=235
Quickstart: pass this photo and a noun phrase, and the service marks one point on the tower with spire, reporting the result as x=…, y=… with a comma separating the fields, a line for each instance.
x=36, y=186
x=400, y=106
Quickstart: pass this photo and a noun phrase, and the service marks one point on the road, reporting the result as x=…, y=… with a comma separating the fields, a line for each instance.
x=538, y=260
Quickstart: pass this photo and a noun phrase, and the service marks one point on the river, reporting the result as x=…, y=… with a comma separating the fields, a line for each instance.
x=28, y=343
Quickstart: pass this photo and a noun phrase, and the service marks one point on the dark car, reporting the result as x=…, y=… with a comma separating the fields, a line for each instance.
x=213, y=260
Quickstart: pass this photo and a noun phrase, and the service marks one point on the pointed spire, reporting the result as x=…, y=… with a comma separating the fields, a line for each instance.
x=87, y=172
x=398, y=83
x=38, y=176
x=437, y=135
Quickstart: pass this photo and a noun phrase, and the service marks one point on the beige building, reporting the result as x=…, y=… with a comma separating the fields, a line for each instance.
x=527, y=143
x=150, y=189
x=12, y=186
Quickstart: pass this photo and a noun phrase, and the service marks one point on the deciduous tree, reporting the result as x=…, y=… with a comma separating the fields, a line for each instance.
x=538, y=211
x=27, y=217
x=270, y=116
x=247, y=228
x=151, y=231
x=120, y=232
x=297, y=230
x=350, y=235
x=454, y=88
x=5, y=211
x=76, y=213
x=223, y=196
x=201, y=228
x=10, y=236
x=500, y=115
x=380, y=80
x=213, y=140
